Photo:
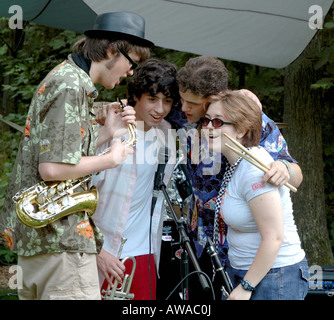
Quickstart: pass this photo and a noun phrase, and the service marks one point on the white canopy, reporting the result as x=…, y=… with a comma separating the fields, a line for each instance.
x=262, y=32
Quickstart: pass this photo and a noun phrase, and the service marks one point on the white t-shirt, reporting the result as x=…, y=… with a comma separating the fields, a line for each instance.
x=243, y=235
x=138, y=223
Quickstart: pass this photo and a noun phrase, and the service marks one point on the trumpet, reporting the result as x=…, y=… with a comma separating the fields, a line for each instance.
x=122, y=292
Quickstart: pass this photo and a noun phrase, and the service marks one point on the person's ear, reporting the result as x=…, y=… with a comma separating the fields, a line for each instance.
x=240, y=135
x=110, y=52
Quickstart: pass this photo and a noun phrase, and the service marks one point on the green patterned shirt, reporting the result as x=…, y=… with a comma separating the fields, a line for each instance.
x=60, y=127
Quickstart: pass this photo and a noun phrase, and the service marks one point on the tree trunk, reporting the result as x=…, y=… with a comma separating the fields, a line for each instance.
x=302, y=113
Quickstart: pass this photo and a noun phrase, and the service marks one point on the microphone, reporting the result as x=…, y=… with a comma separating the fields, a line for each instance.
x=219, y=269
x=159, y=176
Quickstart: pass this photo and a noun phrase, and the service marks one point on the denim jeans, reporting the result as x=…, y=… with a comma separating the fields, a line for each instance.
x=285, y=283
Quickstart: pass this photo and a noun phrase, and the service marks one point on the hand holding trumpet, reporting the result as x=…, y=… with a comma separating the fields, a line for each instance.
x=110, y=266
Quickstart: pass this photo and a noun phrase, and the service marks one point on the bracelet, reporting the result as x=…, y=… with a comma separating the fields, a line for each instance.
x=284, y=162
x=247, y=285
x=293, y=170
x=287, y=165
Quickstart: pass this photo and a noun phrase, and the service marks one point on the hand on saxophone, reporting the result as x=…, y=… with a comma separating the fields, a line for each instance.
x=115, y=122
x=103, y=108
x=118, y=153
x=110, y=267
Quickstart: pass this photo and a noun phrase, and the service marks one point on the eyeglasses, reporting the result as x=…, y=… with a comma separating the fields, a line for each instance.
x=217, y=123
x=133, y=64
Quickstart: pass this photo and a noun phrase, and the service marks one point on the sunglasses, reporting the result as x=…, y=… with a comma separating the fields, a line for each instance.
x=217, y=123
x=133, y=64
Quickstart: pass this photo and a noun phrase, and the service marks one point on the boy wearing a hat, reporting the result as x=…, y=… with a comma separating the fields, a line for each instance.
x=58, y=261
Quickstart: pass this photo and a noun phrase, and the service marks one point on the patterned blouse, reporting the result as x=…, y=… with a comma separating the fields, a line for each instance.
x=60, y=127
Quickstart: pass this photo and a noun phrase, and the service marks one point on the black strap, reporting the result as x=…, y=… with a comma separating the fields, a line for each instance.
x=82, y=62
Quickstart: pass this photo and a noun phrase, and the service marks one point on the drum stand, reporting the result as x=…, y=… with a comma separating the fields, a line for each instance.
x=185, y=243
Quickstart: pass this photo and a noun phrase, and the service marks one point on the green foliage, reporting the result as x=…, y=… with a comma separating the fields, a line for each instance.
x=7, y=257
x=8, y=294
x=326, y=58
x=43, y=48
x=8, y=149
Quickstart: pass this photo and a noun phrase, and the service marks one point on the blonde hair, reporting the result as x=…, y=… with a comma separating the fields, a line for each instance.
x=243, y=112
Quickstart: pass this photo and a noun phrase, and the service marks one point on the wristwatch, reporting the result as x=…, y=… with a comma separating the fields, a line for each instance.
x=247, y=285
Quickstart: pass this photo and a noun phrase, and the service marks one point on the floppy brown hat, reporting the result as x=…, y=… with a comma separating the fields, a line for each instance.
x=120, y=25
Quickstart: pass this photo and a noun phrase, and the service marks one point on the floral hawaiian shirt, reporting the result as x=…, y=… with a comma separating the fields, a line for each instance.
x=206, y=176
x=60, y=127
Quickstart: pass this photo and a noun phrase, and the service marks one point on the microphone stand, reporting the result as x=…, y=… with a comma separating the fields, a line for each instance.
x=226, y=287
x=185, y=242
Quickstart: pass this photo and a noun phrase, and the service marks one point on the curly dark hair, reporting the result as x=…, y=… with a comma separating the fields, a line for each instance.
x=154, y=76
x=203, y=75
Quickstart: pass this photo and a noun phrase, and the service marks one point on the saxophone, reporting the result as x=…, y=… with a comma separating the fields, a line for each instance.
x=46, y=202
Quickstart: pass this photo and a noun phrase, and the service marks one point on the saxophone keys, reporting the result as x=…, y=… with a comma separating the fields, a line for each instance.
x=61, y=186
x=28, y=207
x=53, y=208
x=39, y=188
x=51, y=192
x=42, y=197
x=68, y=201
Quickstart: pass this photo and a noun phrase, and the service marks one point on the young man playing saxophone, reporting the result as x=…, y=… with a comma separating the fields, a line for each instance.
x=58, y=261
